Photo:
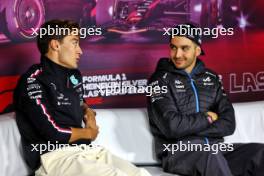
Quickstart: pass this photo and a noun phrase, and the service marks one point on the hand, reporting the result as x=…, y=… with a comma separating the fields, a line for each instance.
x=83, y=133
x=89, y=111
x=92, y=133
x=213, y=116
x=89, y=118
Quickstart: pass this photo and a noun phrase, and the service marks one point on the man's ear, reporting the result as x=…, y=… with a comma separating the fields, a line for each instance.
x=54, y=45
x=198, y=51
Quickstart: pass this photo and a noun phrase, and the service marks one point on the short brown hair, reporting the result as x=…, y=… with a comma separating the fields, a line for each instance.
x=44, y=40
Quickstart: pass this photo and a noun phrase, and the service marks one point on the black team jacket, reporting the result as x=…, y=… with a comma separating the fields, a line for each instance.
x=48, y=101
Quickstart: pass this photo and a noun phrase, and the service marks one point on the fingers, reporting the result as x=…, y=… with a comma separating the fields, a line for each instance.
x=213, y=115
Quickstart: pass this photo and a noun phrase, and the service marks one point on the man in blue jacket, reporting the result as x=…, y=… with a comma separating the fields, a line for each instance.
x=191, y=118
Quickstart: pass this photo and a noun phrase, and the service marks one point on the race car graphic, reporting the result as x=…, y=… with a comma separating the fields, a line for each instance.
x=135, y=16
x=18, y=17
x=115, y=17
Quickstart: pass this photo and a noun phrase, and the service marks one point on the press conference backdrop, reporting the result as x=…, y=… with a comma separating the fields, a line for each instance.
x=122, y=40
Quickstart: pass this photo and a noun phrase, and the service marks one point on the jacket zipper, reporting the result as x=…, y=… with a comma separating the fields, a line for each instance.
x=196, y=101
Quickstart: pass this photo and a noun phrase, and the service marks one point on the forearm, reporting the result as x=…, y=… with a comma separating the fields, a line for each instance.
x=175, y=125
x=224, y=125
x=220, y=128
x=82, y=133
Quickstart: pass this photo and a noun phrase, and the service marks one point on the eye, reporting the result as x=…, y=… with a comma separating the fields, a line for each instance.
x=173, y=47
x=185, y=48
x=75, y=43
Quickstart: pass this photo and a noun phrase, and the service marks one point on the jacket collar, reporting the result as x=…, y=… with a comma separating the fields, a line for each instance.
x=165, y=64
x=55, y=70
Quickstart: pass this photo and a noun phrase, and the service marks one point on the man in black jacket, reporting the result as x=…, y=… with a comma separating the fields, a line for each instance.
x=48, y=98
x=190, y=119
x=50, y=110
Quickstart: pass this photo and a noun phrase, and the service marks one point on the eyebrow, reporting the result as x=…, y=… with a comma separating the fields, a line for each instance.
x=182, y=46
x=75, y=39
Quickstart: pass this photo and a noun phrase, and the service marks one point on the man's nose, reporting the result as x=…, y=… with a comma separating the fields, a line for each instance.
x=80, y=50
x=178, y=53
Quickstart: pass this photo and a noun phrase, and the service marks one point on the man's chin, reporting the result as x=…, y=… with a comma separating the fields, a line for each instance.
x=179, y=66
x=75, y=66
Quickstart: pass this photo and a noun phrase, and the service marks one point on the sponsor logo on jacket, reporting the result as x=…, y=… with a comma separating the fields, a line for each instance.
x=207, y=81
x=180, y=87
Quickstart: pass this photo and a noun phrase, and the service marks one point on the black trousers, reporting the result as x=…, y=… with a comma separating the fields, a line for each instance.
x=244, y=160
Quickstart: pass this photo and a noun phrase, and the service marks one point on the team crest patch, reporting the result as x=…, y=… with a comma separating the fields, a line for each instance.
x=208, y=81
x=74, y=81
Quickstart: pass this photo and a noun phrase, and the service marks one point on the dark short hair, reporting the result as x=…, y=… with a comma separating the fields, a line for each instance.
x=44, y=40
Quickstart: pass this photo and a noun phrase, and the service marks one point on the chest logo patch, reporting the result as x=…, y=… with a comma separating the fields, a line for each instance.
x=179, y=85
x=207, y=81
x=74, y=81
